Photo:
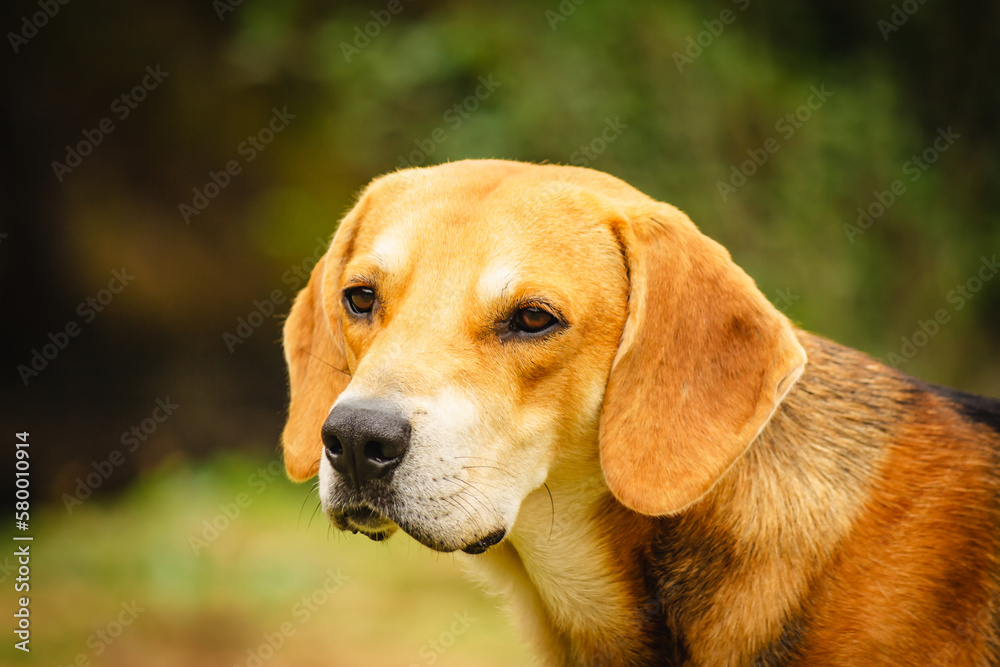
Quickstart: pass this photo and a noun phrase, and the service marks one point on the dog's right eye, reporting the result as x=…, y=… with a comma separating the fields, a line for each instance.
x=360, y=300
x=530, y=321
x=533, y=320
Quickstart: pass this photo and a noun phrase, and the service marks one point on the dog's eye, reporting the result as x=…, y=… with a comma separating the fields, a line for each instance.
x=360, y=300
x=533, y=320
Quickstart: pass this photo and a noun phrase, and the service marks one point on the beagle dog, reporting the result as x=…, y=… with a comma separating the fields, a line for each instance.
x=544, y=368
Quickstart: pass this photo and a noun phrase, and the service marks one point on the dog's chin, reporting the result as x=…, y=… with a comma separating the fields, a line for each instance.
x=377, y=527
x=482, y=545
x=471, y=545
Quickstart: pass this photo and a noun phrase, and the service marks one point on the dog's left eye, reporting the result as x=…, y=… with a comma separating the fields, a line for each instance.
x=533, y=320
x=360, y=300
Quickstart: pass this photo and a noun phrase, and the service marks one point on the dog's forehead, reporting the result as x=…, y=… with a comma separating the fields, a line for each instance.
x=489, y=230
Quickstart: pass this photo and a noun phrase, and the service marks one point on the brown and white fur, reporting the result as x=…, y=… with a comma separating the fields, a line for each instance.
x=669, y=474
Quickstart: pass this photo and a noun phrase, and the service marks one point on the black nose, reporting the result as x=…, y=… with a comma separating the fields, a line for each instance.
x=365, y=441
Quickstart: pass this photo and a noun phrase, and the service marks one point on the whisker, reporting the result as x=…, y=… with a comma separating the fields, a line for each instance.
x=450, y=501
x=481, y=458
x=469, y=486
x=311, y=516
x=469, y=509
x=327, y=363
x=464, y=505
x=552, y=504
x=298, y=521
x=491, y=484
x=493, y=465
x=482, y=494
x=490, y=467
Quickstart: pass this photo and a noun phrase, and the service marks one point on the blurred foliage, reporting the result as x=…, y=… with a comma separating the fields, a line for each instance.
x=362, y=105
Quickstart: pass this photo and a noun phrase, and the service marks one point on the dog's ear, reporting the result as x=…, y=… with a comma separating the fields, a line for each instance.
x=703, y=362
x=317, y=373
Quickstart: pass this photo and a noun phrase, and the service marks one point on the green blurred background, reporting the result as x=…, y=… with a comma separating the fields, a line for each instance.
x=674, y=98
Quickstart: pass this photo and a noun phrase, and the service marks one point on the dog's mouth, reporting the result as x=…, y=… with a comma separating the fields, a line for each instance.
x=366, y=521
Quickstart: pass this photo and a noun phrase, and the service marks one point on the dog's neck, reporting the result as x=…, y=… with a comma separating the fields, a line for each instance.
x=597, y=582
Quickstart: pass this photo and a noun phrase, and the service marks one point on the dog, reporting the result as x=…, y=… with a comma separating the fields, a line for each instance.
x=546, y=369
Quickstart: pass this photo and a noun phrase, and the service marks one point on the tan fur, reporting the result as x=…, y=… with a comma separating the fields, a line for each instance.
x=681, y=476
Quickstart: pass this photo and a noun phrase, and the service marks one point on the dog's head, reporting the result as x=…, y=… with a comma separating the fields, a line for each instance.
x=473, y=321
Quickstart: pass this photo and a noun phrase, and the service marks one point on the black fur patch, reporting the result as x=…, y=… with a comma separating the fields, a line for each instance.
x=684, y=566
x=986, y=411
x=667, y=647
x=784, y=650
x=975, y=408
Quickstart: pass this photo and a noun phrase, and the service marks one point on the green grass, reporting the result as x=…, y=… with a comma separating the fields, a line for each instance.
x=213, y=607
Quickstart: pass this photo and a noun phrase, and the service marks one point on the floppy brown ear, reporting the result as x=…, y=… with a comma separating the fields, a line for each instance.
x=703, y=362
x=317, y=373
